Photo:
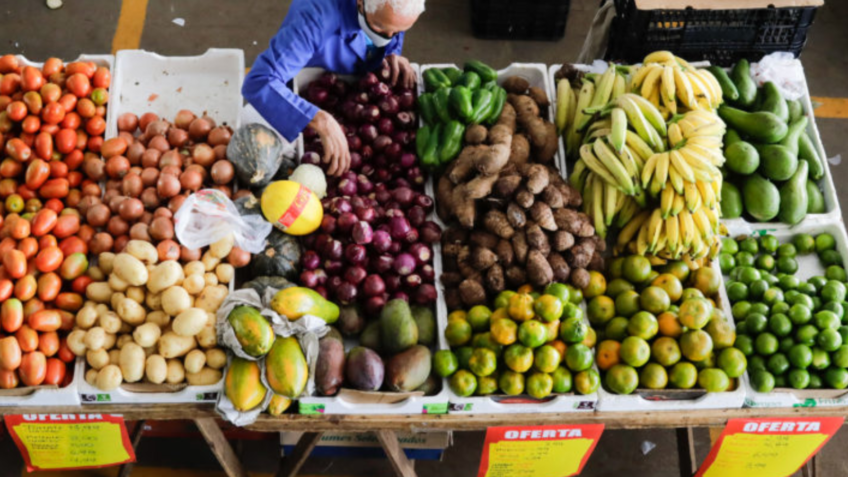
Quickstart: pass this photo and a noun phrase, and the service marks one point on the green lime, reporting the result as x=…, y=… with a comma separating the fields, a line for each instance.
x=511, y=382
x=817, y=303
x=801, y=356
x=760, y=308
x=824, y=242
x=458, y=332
x=548, y=308
x=837, y=378
x=789, y=282
x=769, y=243
x=562, y=380
x=806, y=334
x=829, y=340
x=799, y=378
x=678, y=268
x=741, y=329
x=573, y=330
x=817, y=282
x=445, y=362
x=843, y=331
x=773, y=295
x=766, y=344
x=627, y=303
x=572, y=311
x=487, y=385
x=463, y=355
x=617, y=286
x=762, y=381
x=765, y=262
x=827, y=320
x=833, y=291
x=786, y=250
x=691, y=293
x=780, y=325
x=616, y=328
x=840, y=357
x=801, y=299
x=502, y=300
x=478, y=317
x=745, y=344
x=816, y=381
x=771, y=279
x=830, y=257
x=729, y=245
x=737, y=291
x=785, y=344
x=532, y=333
x=749, y=244
x=804, y=243
x=756, y=362
x=821, y=359
x=740, y=310
x=836, y=308
x=732, y=362
x=836, y=272
x=780, y=381
x=713, y=380
x=800, y=314
x=726, y=261
x=539, y=385
x=755, y=323
x=749, y=275
x=780, y=308
x=578, y=357
x=777, y=364
x=757, y=289
x=787, y=264
x=744, y=259
x=518, y=358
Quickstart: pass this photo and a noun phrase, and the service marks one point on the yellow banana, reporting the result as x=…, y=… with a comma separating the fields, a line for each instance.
x=666, y=201
x=578, y=175
x=672, y=232
x=652, y=82
x=702, y=222
x=642, y=240
x=684, y=89
x=654, y=229
x=563, y=88
x=708, y=197
x=676, y=181
x=693, y=198
x=574, y=137
x=661, y=174
x=682, y=167
x=606, y=155
x=630, y=230
x=678, y=204
x=640, y=163
x=619, y=87
x=675, y=136
x=639, y=146
x=649, y=169
x=638, y=121
x=628, y=210
x=572, y=106
x=639, y=77
x=603, y=91
x=687, y=228
x=610, y=200
x=662, y=57
x=618, y=126
x=594, y=164
x=629, y=165
x=597, y=208
x=652, y=115
x=703, y=95
x=669, y=90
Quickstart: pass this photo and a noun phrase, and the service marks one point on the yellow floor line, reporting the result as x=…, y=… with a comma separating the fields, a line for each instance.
x=830, y=107
x=130, y=25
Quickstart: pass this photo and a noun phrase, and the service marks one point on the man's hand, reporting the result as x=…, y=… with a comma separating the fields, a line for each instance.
x=336, y=150
x=401, y=71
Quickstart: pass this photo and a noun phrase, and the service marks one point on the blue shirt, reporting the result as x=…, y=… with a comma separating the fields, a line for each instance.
x=318, y=33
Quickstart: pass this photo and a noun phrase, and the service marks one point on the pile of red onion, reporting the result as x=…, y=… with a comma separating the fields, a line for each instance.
x=375, y=242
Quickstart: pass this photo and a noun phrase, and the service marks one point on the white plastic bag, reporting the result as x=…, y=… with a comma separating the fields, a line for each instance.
x=208, y=216
x=784, y=71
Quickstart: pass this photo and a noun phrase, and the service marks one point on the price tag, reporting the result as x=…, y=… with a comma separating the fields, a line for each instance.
x=767, y=447
x=70, y=441
x=538, y=451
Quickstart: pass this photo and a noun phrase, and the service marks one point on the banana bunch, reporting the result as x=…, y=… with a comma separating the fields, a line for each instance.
x=671, y=84
x=596, y=91
x=604, y=202
x=694, y=235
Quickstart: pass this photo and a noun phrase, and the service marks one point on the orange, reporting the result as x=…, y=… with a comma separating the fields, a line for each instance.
x=600, y=310
x=678, y=268
x=591, y=338
x=713, y=380
x=458, y=332
x=607, y=354
x=552, y=329
x=597, y=285
x=499, y=314
x=720, y=331
x=683, y=375
x=587, y=382
x=669, y=325
x=653, y=376
x=560, y=346
x=457, y=315
x=696, y=345
x=643, y=324
x=621, y=379
x=526, y=289
x=654, y=299
x=707, y=280
x=671, y=284
x=665, y=351
x=504, y=331
x=521, y=307
x=695, y=313
x=635, y=351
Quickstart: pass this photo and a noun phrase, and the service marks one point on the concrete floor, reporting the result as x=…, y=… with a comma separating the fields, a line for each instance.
x=443, y=34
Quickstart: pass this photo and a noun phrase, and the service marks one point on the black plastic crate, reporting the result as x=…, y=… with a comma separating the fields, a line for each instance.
x=720, y=36
x=519, y=20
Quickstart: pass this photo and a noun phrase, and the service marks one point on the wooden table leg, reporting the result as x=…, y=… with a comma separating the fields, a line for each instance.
x=126, y=469
x=811, y=468
x=291, y=464
x=220, y=447
x=403, y=467
x=687, y=462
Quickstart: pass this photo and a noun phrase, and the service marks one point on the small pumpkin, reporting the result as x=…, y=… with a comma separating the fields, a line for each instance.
x=281, y=257
x=260, y=284
x=256, y=153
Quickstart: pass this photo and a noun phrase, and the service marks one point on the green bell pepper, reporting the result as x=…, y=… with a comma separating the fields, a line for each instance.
x=427, y=109
x=497, y=106
x=435, y=79
x=452, y=73
x=460, y=102
x=430, y=157
x=470, y=80
x=489, y=85
x=482, y=101
x=486, y=72
x=451, y=141
x=422, y=137
x=441, y=104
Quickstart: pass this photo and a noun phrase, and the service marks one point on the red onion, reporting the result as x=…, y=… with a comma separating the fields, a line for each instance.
x=328, y=224
x=395, y=248
x=400, y=227
x=373, y=286
x=358, y=202
x=404, y=264
x=309, y=241
x=382, y=175
x=430, y=232
x=385, y=72
x=353, y=142
x=321, y=291
x=389, y=106
x=415, y=175
x=365, y=214
x=382, y=241
x=327, y=79
x=412, y=280
x=401, y=182
x=424, y=201
x=402, y=138
x=367, y=152
x=380, y=89
x=309, y=133
x=421, y=252
x=355, y=160
x=367, y=169
x=381, y=142
x=411, y=236
x=310, y=260
x=333, y=267
x=361, y=99
x=346, y=221
x=321, y=276
x=382, y=263
x=362, y=233
x=347, y=187
x=310, y=157
x=416, y=216
x=386, y=126
x=382, y=195
x=393, y=151
x=393, y=282
x=370, y=113
x=425, y=294
x=363, y=185
x=340, y=89
x=406, y=98
x=355, y=254
x=405, y=120
x=308, y=279
x=428, y=273
x=340, y=206
x=368, y=132
x=399, y=295
x=374, y=305
x=333, y=251
x=316, y=94
x=333, y=283
x=322, y=241
x=404, y=196
x=355, y=274
x=368, y=80
x=346, y=293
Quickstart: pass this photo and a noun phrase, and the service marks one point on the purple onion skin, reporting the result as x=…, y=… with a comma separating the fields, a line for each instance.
x=404, y=196
x=370, y=113
x=333, y=283
x=412, y=281
x=366, y=214
x=411, y=236
x=405, y=120
x=424, y=201
x=425, y=294
x=310, y=157
x=399, y=295
x=415, y=176
x=367, y=133
x=333, y=251
x=321, y=291
x=346, y=293
x=368, y=80
x=393, y=283
x=327, y=79
x=430, y=234
x=373, y=286
x=382, y=241
x=385, y=126
x=428, y=273
x=346, y=222
x=355, y=274
x=374, y=305
x=367, y=152
x=355, y=254
x=382, y=263
x=416, y=216
x=310, y=260
x=380, y=90
x=393, y=151
x=381, y=142
x=321, y=276
x=333, y=267
x=406, y=98
x=401, y=182
x=396, y=248
x=400, y=227
x=363, y=184
x=421, y=252
x=362, y=233
x=404, y=264
x=308, y=279
x=389, y=106
x=347, y=187
x=328, y=224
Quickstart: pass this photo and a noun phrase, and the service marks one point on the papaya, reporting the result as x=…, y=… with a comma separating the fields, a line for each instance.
x=742, y=157
x=364, y=369
x=793, y=197
x=286, y=368
x=807, y=152
x=795, y=110
x=815, y=199
x=761, y=126
x=728, y=89
x=793, y=137
x=731, y=201
x=773, y=101
x=741, y=76
x=761, y=198
x=295, y=302
x=408, y=370
x=426, y=322
x=278, y=405
x=252, y=330
x=243, y=385
x=777, y=162
x=398, y=330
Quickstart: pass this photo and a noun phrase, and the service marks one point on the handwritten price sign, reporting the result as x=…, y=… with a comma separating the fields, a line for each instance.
x=767, y=447
x=538, y=451
x=70, y=441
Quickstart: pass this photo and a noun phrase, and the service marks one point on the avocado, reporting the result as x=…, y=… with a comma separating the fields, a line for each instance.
x=731, y=201
x=815, y=199
x=761, y=198
x=741, y=76
x=793, y=137
x=777, y=162
x=793, y=196
x=742, y=158
x=807, y=152
x=773, y=101
x=795, y=110
x=761, y=126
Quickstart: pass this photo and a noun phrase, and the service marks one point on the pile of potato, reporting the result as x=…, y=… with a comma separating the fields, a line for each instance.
x=153, y=321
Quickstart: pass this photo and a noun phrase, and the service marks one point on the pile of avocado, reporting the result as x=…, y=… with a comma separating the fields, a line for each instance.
x=771, y=163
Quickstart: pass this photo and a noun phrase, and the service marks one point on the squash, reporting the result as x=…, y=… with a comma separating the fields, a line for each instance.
x=248, y=205
x=256, y=153
x=281, y=257
x=260, y=284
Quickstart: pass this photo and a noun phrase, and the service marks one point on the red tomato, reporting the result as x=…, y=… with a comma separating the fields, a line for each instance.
x=65, y=353
x=6, y=288
x=54, y=373
x=33, y=102
x=69, y=102
x=80, y=283
x=68, y=320
x=6, y=124
x=10, y=168
x=72, y=120
x=101, y=110
x=17, y=110
x=10, y=353
x=72, y=245
x=26, y=192
x=100, y=97
x=45, y=320
x=8, y=379
x=8, y=243
x=82, y=139
x=59, y=170
x=95, y=143
x=51, y=66
x=33, y=368
x=51, y=129
x=44, y=146
x=11, y=315
x=31, y=79
x=49, y=259
x=87, y=68
x=58, y=78
x=74, y=159
x=55, y=189
x=10, y=84
x=95, y=126
x=31, y=124
x=14, y=261
x=32, y=306
x=86, y=108
x=53, y=113
x=48, y=343
x=29, y=246
x=43, y=222
x=66, y=140
x=47, y=241
x=102, y=77
x=79, y=85
x=20, y=229
x=8, y=64
x=51, y=92
x=73, y=266
x=27, y=338
x=86, y=232
x=49, y=285
x=26, y=288
x=27, y=138
x=54, y=205
x=68, y=301
x=74, y=177
x=18, y=150
x=4, y=101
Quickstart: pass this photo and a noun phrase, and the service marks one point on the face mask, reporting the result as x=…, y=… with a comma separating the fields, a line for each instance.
x=379, y=40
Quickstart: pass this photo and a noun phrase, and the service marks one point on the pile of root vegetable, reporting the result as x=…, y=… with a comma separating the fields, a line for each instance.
x=516, y=219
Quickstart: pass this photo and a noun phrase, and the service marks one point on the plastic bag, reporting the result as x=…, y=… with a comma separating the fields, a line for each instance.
x=783, y=70
x=208, y=215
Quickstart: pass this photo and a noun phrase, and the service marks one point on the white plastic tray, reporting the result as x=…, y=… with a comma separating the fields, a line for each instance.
x=808, y=266
x=725, y=400
x=148, y=82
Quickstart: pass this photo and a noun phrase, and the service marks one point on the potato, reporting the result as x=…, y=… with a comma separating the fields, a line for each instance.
x=126, y=328
x=205, y=377
x=132, y=362
x=194, y=268
x=207, y=338
x=156, y=369
x=222, y=248
x=86, y=317
x=209, y=261
x=91, y=377
x=211, y=297
x=225, y=272
x=115, y=356
x=176, y=372
x=109, y=341
x=117, y=297
x=135, y=294
x=175, y=300
x=147, y=334
x=102, y=309
x=95, y=338
x=211, y=319
x=194, y=284
x=123, y=340
x=131, y=312
x=76, y=342
x=158, y=318
x=211, y=279
x=110, y=322
x=108, y=378
x=172, y=345
x=150, y=351
x=216, y=358
x=116, y=284
x=130, y=269
x=105, y=261
x=100, y=292
x=96, y=274
x=165, y=275
x=144, y=251
x=189, y=322
x=97, y=358
x=194, y=361
x=153, y=301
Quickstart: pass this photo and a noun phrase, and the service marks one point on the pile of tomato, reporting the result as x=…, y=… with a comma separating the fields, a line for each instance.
x=52, y=120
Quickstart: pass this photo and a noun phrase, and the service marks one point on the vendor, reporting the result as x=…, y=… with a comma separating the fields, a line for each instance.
x=343, y=36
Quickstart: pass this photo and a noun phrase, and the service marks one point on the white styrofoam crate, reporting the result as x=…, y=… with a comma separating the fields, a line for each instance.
x=667, y=400
x=148, y=82
x=808, y=266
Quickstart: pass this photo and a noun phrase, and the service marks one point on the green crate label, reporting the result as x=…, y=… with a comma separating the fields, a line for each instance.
x=436, y=408
x=310, y=408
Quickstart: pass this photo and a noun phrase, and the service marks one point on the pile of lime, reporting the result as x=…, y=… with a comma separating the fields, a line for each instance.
x=792, y=331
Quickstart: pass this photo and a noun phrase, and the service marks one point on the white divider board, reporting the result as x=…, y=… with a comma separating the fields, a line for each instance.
x=669, y=400
x=808, y=266
x=89, y=394
x=210, y=83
